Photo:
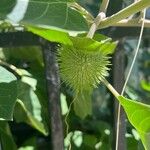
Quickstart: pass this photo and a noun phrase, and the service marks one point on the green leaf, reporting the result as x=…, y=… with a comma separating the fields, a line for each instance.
x=145, y=85
x=104, y=45
x=97, y=37
x=28, y=108
x=8, y=94
x=6, y=7
x=139, y=116
x=47, y=14
x=21, y=114
x=86, y=44
x=51, y=35
x=108, y=46
x=6, y=137
x=83, y=104
x=64, y=106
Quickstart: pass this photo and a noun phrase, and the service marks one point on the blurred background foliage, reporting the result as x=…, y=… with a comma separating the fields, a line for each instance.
x=30, y=130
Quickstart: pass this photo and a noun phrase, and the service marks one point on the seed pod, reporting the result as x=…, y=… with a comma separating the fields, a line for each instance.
x=82, y=69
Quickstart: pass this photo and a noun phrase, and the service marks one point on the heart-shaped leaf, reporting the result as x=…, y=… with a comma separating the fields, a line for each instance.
x=28, y=108
x=23, y=115
x=139, y=116
x=47, y=14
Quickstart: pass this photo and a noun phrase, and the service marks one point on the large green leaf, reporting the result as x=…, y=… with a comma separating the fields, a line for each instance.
x=23, y=115
x=139, y=116
x=51, y=35
x=8, y=94
x=31, y=88
x=47, y=14
x=7, y=141
x=28, y=108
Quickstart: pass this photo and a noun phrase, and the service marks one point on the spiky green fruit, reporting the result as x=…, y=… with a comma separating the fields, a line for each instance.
x=84, y=64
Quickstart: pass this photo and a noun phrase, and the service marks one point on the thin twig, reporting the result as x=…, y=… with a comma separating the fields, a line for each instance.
x=12, y=67
x=135, y=56
x=127, y=79
x=101, y=15
x=104, y=6
x=86, y=14
x=110, y=87
x=132, y=23
x=94, y=26
x=124, y=13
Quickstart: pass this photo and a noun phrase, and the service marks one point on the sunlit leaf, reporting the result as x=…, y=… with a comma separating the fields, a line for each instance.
x=64, y=106
x=145, y=85
x=28, y=108
x=99, y=44
x=23, y=115
x=139, y=116
x=51, y=35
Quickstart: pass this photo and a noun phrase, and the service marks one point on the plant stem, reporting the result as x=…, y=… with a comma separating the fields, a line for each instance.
x=12, y=67
x=104, y=6
x=94, y=26
x=101, y=15
x=111, y=88
x=124, y=13
x=135, y=56
x=87, y=15
x=91, y=33
x=132, y=23
x=127, y=79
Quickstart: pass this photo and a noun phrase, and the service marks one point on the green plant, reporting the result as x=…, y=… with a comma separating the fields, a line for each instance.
x=83, y=61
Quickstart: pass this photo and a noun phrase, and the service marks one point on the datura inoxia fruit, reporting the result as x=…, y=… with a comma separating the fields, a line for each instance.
x=85, y=63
